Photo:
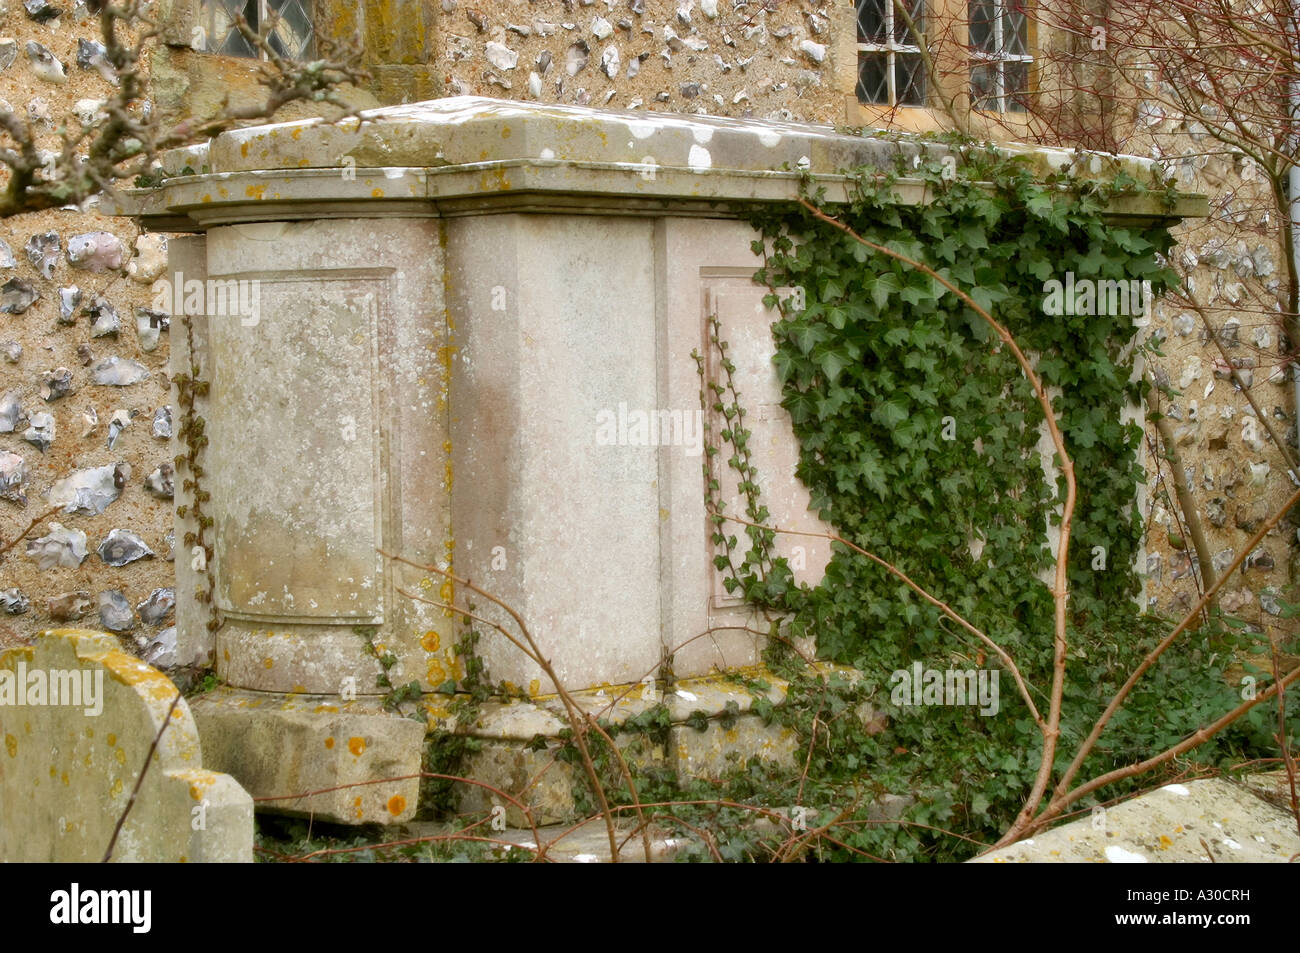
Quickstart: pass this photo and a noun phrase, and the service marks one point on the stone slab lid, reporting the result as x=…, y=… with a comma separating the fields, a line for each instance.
x=473, y=155
x=465, y=130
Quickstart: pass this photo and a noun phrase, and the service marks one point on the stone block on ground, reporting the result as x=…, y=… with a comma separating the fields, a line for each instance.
x=315, y=754
x=534, y=778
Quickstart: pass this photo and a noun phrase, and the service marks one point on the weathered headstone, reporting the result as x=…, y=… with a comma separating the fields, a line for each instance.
x=77, y=718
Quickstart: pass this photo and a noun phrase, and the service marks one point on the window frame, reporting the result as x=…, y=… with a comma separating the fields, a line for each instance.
x=208, y=10
x=891, y=48
x=1000, y=58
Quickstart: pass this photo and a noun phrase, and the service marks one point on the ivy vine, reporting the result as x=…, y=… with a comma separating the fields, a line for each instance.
x=191, y=431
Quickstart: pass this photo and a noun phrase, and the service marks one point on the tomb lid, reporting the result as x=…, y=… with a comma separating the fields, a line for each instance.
x=470, y=155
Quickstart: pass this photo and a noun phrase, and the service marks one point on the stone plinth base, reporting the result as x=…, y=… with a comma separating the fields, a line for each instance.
x=314, y=755
x=336, y=761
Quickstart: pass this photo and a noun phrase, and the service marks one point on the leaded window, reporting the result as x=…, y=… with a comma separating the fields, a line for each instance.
x=891, y=70
x=999, y=49
x=286, y=24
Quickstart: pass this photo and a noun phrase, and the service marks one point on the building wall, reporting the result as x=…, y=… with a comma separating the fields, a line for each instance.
x=47, y=345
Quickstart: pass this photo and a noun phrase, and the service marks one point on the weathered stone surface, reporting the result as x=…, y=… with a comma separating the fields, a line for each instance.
x=40, y=433
x=17, y=295
x=1167, y=826
x=115, y=612
x=70, y=606
x=91, y=490
x=121, y=546
x=717, y=750
x=12, y=474
x=59, y=547
x=116, y=372
x=45, y=65
x=95, y=251
x=287, y=746
x=11, y=410
x=67, y=770
x=43, y=252
x=534, y=778
x=150, y=258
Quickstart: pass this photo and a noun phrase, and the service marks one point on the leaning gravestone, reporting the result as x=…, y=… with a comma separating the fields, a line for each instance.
x=77, y=717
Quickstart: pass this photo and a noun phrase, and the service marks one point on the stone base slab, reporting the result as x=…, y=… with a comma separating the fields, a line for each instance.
x=314, y=755
x=519, y=739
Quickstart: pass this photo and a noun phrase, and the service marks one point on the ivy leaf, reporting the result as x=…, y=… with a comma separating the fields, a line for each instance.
x=890, y=414
x=881, y=287
x=832, y=362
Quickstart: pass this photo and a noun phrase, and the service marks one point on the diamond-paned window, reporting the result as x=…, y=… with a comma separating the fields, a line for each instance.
x=891, y=71
x=999, y=50
x=287, y=24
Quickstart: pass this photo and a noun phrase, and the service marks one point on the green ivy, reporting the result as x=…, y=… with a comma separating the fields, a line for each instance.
x=918, y=432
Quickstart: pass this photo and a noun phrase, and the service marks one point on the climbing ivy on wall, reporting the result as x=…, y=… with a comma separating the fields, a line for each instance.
x=919, y=434
x=919, y=441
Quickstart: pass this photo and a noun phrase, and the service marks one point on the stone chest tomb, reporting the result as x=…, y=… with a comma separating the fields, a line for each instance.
x=464, y=338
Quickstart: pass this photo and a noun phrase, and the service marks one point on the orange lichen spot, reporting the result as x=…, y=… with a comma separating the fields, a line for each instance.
x=256, y=192
x=505, y=132
x=243, y=150
x=64, y=778
x=90, y=732
x=534, y=687
x=11, y=745
x=396, y=804
x=226, y=653
x=329, y=742
x=357, y=806
x=267, y=663
x=303, y=163
x=223, y=191
x=430, y=641
x=376, y=193
x=116, y=789
x=121, y=756
x=54, y=772
x=297, y=133
x=320, y=709
x=299, y=690
x=1165, y=842
x=356, y=745
x=206, y=198
x=112, y=739
x=436, y=674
